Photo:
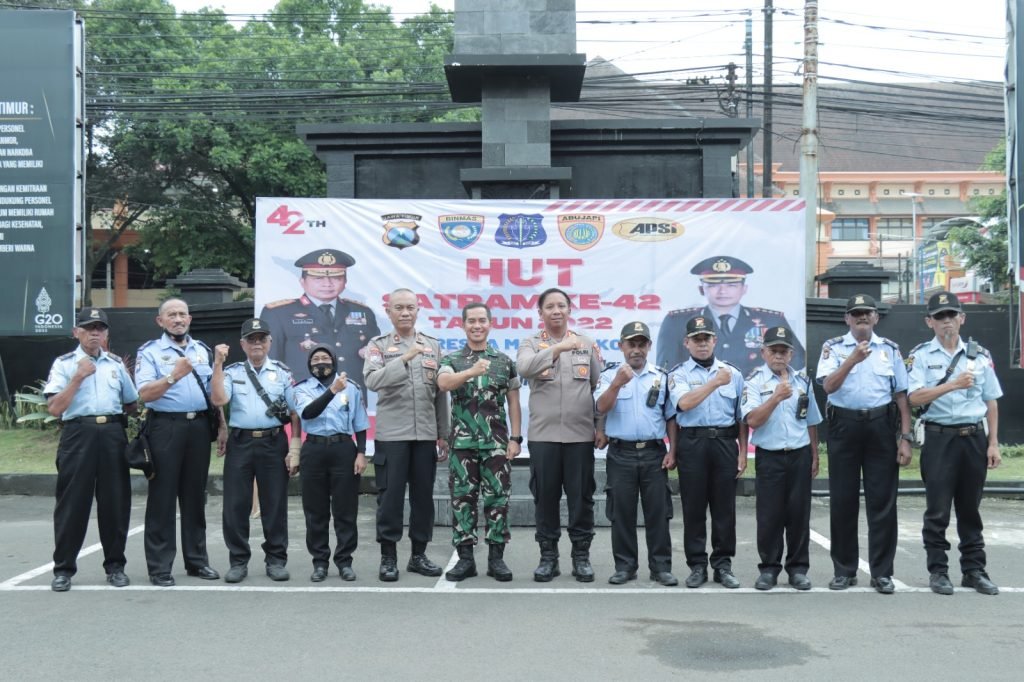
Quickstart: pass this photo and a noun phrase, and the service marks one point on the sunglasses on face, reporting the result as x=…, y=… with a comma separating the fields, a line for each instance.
x=945, y=315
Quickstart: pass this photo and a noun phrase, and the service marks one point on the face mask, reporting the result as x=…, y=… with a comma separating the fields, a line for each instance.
x=322, y=370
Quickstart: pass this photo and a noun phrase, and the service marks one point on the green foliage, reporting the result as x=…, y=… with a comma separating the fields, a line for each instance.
x=1015, y=451
x=30, y=406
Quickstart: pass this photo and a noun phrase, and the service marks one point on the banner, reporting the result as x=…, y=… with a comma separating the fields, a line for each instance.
x=621, y=260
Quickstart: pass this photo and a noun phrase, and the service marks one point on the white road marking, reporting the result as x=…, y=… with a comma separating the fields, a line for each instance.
x=91, y=549
x=443, y=584
x=819, y=539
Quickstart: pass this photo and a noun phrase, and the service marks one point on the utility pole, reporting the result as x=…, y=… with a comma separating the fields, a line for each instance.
x=766, y=127
x=809, y=142
x=748, y=46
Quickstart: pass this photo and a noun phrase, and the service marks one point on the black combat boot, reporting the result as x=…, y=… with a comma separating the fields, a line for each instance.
x=388, y=562
x=465, y=567
x=581, y=567
x=496, y=566
x=548, y=566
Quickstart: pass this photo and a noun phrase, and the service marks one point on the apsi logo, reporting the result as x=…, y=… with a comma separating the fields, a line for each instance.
x=648, y=229
x=293, y=222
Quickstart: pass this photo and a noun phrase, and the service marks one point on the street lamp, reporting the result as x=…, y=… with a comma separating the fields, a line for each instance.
x=917, y=256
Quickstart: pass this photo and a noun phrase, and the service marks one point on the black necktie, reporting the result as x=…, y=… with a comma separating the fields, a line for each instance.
x=724, y=323
x=326, y=307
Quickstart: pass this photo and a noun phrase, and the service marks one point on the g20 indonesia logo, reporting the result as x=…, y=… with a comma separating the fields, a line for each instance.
x=400, y=230
x=520, y=230
x=461, y=231
x=648, y=229
x=581, y=231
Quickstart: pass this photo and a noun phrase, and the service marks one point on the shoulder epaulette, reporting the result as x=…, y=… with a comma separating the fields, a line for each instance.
x=676, y=366
x=731, y=366
x=683, y=311
x=768, y=310
x=661, y=369
x=281, y=365
x=918, y=347
x=278, y=304
x=68, y=356
x=889, y=342
x=115, y=358
x=358, y=387
x=427, y=336
x=146, y=345
x=200, y=343
x=379, y=337
x=752, y=373
x=234, y=364
x=354, y=302
x=834, y=340
x=611, y=364
x=984, y=351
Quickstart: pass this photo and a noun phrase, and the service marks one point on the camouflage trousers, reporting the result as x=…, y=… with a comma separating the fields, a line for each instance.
x=469, y=472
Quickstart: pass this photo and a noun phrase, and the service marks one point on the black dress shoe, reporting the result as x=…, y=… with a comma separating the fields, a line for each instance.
x=279, y=573
x=841, y=582
x=319, y=574
x=61, y=583
x=765, y=581
x=622, y=577
x=979, y=581
x=698, y=576
x=347, y=574
x=204, y=572
x=162, y=580
x=664, y=578
x=419, y=563
x=799, y=581
x=883, y=584
x=726, y=578
x=118, y=579
x=388, y=569
x=236, y=574
x=940, y=583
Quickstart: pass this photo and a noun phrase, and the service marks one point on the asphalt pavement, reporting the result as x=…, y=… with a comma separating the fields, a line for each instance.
x=428, y=628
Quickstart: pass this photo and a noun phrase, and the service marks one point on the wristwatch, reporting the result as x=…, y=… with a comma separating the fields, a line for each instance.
x=516, y=439
x=907, y=437
x=169, y=379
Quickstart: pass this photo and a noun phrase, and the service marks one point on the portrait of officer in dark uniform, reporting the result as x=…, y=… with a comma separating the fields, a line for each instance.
x=320, y=316
x=739, y=328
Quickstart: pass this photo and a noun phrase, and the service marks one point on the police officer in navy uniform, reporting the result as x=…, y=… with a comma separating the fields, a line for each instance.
x=634, y=398
x=778, y=404
x=321, y=317
x=711, y=448
x=166, y=371
x=957, y=385
x=257, y=448
x=89, y=390
x=738, y=328
x=866, y=382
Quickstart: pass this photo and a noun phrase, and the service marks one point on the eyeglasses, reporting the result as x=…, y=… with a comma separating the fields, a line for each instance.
x=945, y=315
x=257, y=338
x=779, y=351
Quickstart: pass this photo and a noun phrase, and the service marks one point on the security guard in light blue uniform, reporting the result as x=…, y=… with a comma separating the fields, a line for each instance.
x=257, y=447
x=634, y=396
x=333, y=459
x=166, y=371
x=90, y=390
x=711, y=452
x=957, y=385
x=866, y=382
x=778, y=404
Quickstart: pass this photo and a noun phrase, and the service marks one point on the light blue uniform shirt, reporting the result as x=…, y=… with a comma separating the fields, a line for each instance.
x=870, y=383
x=928, y=363
x=248, y=411
x=721, y=408
x=782, y=431
x=346, y=412
x=104, y=392
x=630, y=418
x=155, y=361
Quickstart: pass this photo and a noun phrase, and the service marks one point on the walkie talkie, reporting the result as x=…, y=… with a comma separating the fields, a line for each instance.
x=652, y=395
x=972, y=353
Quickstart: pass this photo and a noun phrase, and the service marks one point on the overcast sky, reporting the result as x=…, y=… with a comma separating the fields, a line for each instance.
x=921, y=39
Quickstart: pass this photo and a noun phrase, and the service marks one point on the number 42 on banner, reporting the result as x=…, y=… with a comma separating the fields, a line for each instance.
x=292, y=221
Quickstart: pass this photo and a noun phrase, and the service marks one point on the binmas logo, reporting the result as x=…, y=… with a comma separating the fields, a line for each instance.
x=648, y=229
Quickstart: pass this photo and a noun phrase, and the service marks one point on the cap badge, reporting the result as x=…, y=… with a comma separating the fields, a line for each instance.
x=638, y=327
x=781, y=332
x=721, y=265
x=94, y=314
x=698, y=322
x=255, y=324
x=858, y=300
x=943, y=299
x=326, y=258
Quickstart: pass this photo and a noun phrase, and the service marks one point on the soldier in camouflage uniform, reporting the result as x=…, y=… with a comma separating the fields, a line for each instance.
x=481, y=379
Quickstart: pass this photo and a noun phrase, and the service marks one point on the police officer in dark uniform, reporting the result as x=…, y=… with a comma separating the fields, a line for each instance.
x=738, y=328
x=321, y=317
x=957, y=384
x=172, y=374
x=257, y=448
x=866, y=382
x=90, y=390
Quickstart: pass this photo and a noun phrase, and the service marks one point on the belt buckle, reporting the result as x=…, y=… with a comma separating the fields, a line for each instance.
x=257, y=434
x=190, y=415
x=640, y=445
x=966, y=431
x=102, y=420
x=713, y=432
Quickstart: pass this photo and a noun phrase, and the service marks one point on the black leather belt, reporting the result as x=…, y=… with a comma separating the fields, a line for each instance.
x=259, y=433
x=637, y=444
x=188, y=416
x=97, y=419
x=711, y=431
x=860, y=415
x=334, y=438
x=955, y=429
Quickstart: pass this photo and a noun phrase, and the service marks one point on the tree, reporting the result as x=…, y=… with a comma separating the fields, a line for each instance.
x=987, y=252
